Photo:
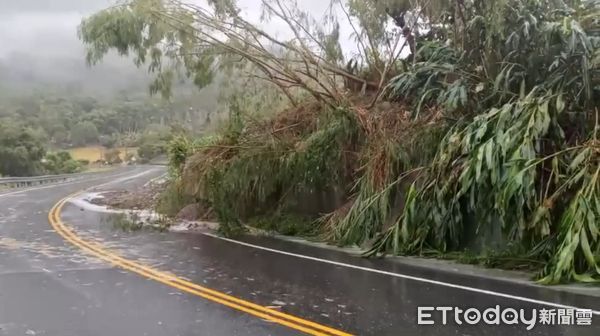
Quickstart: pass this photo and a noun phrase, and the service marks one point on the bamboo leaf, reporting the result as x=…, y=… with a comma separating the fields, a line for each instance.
x=560, y=104
x=585, y=248
x=579, y=159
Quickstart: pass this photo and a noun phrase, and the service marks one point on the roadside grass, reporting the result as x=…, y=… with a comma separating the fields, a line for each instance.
x=285, y=224
x=133, y=222
x=172, y=200
x=506, y=260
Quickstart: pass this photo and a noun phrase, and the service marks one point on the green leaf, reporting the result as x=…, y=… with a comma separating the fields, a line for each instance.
x=585, y=248
x=579, y=158
x=479, y=163
x=585, y=278
x=489, y=147
x=560, y=104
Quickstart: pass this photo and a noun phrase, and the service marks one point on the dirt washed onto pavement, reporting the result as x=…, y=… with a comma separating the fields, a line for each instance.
x=145, y=197
x=144, y=200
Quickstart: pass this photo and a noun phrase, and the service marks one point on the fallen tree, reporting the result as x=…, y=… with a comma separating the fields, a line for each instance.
x=480, y=138
x=174, y=37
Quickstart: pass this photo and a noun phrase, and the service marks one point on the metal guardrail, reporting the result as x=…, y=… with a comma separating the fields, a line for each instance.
x=20, y=182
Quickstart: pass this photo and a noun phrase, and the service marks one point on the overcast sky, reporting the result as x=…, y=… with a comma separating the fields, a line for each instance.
x=48, y=27
x=43, y=27
x=38, y=38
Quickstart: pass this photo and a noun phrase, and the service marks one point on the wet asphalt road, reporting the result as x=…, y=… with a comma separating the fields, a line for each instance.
x=49, y=287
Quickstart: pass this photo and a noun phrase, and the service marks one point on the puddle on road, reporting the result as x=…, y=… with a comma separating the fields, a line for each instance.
x=85, y=201
x=44, y=250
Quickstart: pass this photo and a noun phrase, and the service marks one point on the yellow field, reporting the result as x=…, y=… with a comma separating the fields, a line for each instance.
x=95, y=153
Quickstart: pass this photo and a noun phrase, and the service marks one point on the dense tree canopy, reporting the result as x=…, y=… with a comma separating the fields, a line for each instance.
x=63, y=121
x=20, y=151
x=34, y=124
x=176, y=38
x=83, y=133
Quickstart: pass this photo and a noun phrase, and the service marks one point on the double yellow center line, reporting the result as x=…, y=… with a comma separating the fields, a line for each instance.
x=97, y=250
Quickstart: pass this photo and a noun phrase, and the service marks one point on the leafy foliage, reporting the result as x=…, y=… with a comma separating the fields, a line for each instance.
x=526, y=162
x=63, y=120
x=180, y=39
x=247, y=170
x=20, y=151
x=113, y=156
x=84, y=133
x=61, y=163
x=286, y=224
x=154, y=141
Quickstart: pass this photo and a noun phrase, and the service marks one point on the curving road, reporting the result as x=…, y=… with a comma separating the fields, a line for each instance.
x=65, y=272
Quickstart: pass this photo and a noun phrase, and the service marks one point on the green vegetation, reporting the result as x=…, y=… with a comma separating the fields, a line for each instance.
x=63, y=120
x=172, y=200
x=286, y=224
x=153, y=142
x=469, y=131
x=21, y=151
x=32, y=125
x=61, y=163
x=125, y=222
x=132, y=221
x=84, y=133
x=113, y=156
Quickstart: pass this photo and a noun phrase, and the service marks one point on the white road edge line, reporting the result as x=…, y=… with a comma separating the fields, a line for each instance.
x=404, y=276
x=53, y=185
x=156, y=179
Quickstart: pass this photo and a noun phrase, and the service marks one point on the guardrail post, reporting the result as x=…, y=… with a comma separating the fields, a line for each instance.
x=19, y=182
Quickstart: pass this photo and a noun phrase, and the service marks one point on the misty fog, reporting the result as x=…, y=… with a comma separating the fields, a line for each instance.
x=39, y=48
